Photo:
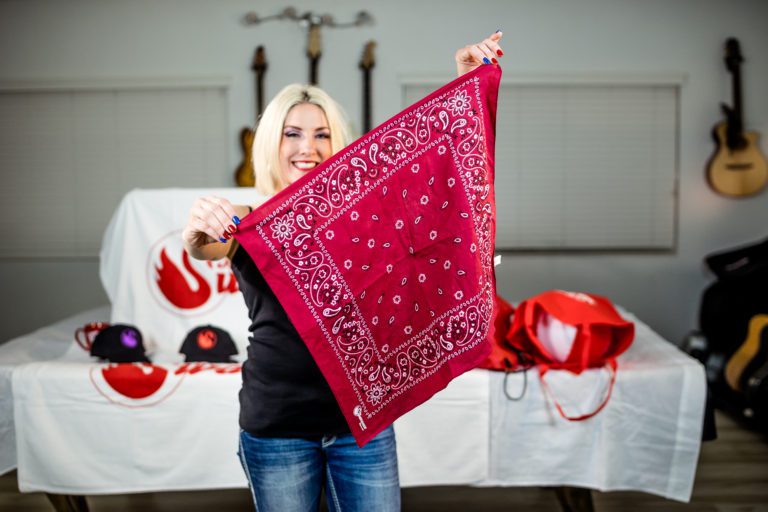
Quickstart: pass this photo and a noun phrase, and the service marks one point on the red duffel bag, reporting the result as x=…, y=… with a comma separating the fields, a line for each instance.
x=571, y=331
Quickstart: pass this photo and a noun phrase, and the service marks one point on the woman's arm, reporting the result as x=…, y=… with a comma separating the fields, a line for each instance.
x=471, y=56
x=212, y=221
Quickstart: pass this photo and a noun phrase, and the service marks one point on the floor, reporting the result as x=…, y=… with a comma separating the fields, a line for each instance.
x=732, y=476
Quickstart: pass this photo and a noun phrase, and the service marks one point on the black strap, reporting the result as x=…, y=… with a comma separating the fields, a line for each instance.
x=526, y=362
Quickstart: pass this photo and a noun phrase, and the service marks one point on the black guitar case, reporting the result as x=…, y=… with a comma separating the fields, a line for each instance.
x=727, y=305
x=740, y=292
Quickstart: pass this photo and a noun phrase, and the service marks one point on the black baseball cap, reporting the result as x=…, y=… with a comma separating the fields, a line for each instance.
x=208, y=343
x=120, y=343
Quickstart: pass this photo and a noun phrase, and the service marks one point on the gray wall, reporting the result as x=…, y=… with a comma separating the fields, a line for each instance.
x=91, y=40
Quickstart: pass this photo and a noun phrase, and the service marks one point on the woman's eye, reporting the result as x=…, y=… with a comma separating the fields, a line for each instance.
x=323, y=135
x=291, y=134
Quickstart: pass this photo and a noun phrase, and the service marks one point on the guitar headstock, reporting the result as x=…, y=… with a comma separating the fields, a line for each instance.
x=367, y=61
x=733, y=55
x=259, y=60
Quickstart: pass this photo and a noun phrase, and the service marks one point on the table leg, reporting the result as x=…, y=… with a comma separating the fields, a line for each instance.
x=68, y=502
x=574, y=499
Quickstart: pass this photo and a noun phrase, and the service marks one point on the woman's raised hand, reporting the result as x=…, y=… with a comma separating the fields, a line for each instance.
x=485, y=52
x=211, y=219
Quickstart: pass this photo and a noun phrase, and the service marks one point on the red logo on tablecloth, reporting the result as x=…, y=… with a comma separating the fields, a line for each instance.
x=137, y=385
x=123, y=379
x=184, y=285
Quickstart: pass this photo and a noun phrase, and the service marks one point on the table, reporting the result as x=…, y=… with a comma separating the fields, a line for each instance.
x=75, y=435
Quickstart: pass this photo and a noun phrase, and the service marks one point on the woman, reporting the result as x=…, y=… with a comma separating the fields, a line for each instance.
x=294, y=440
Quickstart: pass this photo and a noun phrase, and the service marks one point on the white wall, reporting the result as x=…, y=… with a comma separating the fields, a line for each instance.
x=84, y=40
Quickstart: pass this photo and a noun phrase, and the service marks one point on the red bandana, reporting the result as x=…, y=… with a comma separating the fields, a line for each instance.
x=383, y=256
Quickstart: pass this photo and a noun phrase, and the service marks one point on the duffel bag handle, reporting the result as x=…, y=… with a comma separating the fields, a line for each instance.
x=610, y=365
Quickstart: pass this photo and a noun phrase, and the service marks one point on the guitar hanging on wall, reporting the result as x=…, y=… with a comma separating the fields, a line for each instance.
x=244, y=174
x=737, y=168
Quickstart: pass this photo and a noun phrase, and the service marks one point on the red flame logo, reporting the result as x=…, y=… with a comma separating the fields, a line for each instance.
x=183, y=285
x=176, y=288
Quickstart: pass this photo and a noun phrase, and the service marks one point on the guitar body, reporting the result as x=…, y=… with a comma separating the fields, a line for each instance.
x=751, y=355
x=244, y=176
x=754, y=378
x=741, y=171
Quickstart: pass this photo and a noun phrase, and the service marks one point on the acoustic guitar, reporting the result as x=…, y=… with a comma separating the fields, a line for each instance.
x=737, y=168
x=244, y=173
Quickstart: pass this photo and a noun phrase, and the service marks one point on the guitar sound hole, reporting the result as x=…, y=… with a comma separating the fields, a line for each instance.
x=739, y=167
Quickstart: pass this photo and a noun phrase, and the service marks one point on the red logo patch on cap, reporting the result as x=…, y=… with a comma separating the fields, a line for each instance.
x=206, y=339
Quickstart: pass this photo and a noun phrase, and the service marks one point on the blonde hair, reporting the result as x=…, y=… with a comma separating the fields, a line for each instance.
x=269, y=133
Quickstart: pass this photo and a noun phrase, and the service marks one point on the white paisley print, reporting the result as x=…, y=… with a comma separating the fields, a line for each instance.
x=283, y=228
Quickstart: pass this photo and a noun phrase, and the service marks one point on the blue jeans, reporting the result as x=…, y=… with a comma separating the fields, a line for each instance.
x=287, y=475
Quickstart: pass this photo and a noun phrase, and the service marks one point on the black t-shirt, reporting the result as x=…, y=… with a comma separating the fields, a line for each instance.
x=283, y=394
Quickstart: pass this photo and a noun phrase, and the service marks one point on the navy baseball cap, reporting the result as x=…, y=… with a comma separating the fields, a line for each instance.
x=208, y=343
x=120, y=343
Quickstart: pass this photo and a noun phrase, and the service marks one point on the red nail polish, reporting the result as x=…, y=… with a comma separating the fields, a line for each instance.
x=494, y=61
x=227, y=235
x=231, y=228
x=499, y=53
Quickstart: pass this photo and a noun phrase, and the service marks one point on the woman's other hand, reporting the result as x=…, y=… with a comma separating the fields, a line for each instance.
x=483, y=53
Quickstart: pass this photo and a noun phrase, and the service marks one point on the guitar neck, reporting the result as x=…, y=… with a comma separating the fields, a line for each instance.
x=313, y=51
x=366, y=101
x=259, y=66
x=313, y=70
x=366, y=65
x=737, y=119
x=259, y=93
x=733, y=60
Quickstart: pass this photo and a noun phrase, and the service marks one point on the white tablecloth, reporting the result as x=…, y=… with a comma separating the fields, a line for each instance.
x=51, y=343
x=76, y=435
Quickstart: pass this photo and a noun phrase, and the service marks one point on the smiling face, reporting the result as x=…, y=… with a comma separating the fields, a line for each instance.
x=306, y=141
